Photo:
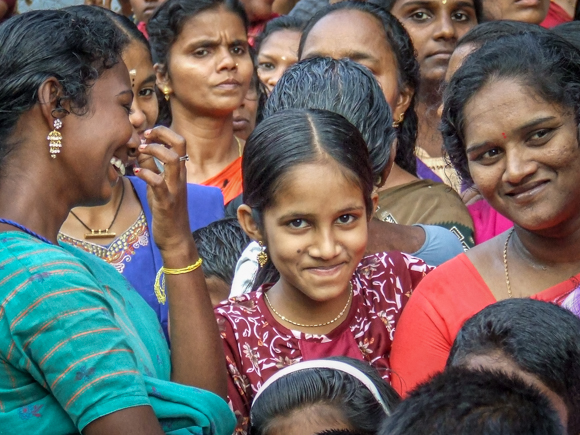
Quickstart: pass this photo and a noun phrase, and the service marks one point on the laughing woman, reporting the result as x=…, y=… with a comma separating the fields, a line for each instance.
x=204, y=70
x=510, y=125
x=79, y=352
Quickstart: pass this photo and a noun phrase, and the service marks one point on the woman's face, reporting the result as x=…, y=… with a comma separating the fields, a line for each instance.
x=523, y=155
x=143, y=9
x=435, y=26
x=145, y=108
x=534, y=11
x=209, y=67
x=316, y=230
x=360, y=37
x=93, y=142
x=245, y=115
x=278, y=52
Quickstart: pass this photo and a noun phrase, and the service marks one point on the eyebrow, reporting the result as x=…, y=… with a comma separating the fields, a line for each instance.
x=214, y=43
x=151, y=78
x=355, y=56
x=427, y=3
x=298, y=215
x=126, y=91
x=527, y=126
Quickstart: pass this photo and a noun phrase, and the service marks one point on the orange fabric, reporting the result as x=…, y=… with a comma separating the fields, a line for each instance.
x=442, y=302
x=229, y=180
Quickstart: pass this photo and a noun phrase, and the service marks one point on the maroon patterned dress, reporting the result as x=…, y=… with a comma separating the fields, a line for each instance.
x=257, y=346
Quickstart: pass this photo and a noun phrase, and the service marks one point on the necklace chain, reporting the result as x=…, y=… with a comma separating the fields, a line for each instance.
x=106, y=231
x=505, y=265
x=310, y=326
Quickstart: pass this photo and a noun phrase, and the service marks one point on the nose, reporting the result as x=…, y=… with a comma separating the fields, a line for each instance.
x=274, y=77
x=518, y=166
x=137, y=116
x=445, y=29
x=226, y=60
x=133, y=144
x=325, y=246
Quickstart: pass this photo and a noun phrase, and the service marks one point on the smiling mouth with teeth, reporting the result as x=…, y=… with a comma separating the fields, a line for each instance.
x=119, y=166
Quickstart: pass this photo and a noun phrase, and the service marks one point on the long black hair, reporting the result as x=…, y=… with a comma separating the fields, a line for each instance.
x=344, y=87
x=295, y=137
x=38, y=45
x=517, y=330
x=325, y=386
x=542, y=61
x=407, y=66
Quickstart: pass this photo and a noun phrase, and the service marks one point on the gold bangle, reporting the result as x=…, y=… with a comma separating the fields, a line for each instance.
x=159, y=286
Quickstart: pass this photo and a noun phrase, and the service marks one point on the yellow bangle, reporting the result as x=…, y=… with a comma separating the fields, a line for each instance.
x=159, y=286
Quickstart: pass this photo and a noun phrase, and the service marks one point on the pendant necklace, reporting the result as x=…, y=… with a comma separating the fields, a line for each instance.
x=103, y=234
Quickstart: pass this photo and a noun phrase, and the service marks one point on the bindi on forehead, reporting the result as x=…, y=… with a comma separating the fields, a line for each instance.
x=133, y=75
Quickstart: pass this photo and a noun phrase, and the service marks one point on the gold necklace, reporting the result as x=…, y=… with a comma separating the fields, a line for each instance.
x=505, y=265
x=310, y=326
x=240, y=149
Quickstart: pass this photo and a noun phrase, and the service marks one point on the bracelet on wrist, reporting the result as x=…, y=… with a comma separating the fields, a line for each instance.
x=159, y=286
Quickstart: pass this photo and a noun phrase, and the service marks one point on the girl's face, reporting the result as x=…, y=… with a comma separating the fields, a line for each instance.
x=316, y=230
x=143, y=9
x=529, y=11
x=278, y=52
x=145, y=108
x=523, y=155
x=209, y=67
x=360, y=37
x=435, y=26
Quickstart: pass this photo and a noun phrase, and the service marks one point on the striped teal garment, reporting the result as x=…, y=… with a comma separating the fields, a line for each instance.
x=77, y=343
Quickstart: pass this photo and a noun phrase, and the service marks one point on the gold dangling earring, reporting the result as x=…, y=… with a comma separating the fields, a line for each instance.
x=262, y=256
x=166, y=93
x=55, y=139
x=398, y=122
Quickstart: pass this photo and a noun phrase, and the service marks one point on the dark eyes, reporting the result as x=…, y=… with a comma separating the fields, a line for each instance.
x=266, y=66
x=147, y=92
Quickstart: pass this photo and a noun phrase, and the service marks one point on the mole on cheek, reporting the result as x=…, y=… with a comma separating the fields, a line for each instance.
x=299, y=251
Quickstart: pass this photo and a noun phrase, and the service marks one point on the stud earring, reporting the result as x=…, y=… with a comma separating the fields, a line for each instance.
x=166, y=93
x=262, y=256
x=398, y=122
x=55, y=139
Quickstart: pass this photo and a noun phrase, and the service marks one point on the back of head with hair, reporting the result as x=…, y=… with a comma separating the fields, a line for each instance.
x=544, y=62
x=540, y=338
x=221, y=244
x=494, y=30
x=279, y=24
x=570, y=32
x=465, y=402
x=344, y=87
x=38, y=45
x=407, y=66
x=306, y=388
x=293, y=137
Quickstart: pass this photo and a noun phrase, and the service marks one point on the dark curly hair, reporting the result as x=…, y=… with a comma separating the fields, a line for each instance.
x=542, y=61
x=407, y=66
x=38, y=45
x=344, y=87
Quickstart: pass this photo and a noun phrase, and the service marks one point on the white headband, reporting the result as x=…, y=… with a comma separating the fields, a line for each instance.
x=326, y=364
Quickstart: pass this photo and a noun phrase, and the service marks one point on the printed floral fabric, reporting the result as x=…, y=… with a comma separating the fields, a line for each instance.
x=257, y=346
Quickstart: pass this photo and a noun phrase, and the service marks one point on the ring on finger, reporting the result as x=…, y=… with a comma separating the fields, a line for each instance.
x=184, y=158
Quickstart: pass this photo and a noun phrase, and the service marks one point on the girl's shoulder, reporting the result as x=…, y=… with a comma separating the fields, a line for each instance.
x=245, y=305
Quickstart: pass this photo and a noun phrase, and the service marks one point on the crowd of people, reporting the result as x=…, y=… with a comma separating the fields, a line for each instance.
x=278, y=217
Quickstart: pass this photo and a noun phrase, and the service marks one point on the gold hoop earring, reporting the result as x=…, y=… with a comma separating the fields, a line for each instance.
x=398, y=122
x=55, y=139
x=262, y=256
x=166, y=93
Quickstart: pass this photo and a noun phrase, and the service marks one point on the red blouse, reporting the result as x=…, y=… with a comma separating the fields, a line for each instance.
x=257, y=346
x=436, y=312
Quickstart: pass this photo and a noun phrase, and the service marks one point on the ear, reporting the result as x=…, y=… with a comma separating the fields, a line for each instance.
x=162, y=79
x=51, y=105
x=248, y=224
x=403, y=102
x=375, y=200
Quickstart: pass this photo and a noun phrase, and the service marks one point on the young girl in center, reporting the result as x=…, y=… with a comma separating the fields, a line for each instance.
x=308, y=198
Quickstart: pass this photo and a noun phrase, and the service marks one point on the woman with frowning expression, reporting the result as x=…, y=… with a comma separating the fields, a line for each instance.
x=204, y=71
x=435, y=26
x=510, y=127
x=119, y=232
x=82, y=351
